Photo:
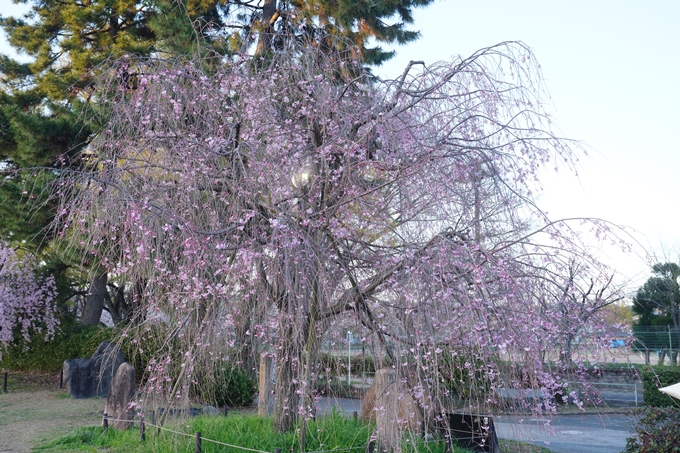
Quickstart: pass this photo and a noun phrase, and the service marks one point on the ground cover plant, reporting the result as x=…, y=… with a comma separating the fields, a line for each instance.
x=657, y=429
x=333, y=432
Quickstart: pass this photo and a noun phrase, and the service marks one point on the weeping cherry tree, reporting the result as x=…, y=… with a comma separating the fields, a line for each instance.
x=266, y=203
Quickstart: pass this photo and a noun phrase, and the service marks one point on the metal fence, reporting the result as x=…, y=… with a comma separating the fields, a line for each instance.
x=656, y=338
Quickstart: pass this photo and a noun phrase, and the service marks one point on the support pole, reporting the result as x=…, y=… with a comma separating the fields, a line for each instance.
x=264, y=406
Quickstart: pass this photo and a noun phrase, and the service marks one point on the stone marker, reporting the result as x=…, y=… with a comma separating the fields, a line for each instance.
x=86, y=378
x=394, y=410
x=120, y=395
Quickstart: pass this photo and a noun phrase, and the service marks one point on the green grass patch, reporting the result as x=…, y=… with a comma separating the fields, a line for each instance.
x=513, y=446
x=333, y=432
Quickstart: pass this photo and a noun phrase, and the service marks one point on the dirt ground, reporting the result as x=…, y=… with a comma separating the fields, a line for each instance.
x=34, y=410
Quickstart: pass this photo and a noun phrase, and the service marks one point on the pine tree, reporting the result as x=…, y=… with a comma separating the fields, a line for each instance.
x=45, y=104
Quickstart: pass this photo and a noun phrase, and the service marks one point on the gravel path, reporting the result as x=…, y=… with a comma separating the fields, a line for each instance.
x=30, y=415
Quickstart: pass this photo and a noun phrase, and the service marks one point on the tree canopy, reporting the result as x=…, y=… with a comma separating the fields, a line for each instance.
x=265, y=210
x=46, y=103
x=657, y=302
x=27, y=298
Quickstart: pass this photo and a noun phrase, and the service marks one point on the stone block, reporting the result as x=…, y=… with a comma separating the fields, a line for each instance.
x=394, y=410
x=77, y=378
x=87, y=378
x=105, y=362
x=120, y=395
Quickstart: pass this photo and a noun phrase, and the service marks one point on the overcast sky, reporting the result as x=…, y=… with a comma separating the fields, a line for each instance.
x=612, y=69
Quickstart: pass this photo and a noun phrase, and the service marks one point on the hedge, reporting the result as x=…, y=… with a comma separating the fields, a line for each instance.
x=71, y=342
x=656, y=377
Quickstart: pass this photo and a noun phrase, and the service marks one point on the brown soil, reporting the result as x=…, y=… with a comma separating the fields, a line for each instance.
x=34, y=411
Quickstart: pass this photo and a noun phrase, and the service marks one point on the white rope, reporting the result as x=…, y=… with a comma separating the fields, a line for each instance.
x=109, y=419
x=208, y=440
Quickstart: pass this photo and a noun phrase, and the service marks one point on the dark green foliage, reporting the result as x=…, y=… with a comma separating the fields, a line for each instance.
x=229, y=386
x=658, y=431
x=337, y=365
x=463, y=375
x=653, y=379
x=71, y=342
x=658, y=295
x=362, y=20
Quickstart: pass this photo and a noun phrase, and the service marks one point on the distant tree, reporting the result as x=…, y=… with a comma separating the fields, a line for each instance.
x=27, y=298
x=657, y=304
x=580, y=307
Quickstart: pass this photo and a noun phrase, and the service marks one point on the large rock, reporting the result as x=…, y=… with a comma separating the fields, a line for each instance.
x=121, y=393
x=105, y=362
x=87, y=378
x=394, y=410
x=77, y=378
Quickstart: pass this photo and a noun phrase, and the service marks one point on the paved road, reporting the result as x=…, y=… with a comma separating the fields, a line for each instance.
x=587, y=433
x=579, y=433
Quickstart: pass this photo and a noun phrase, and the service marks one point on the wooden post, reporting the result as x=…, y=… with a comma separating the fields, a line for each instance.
x=355, y=416
x=448, y=449
x=105, y=421
x=142, y=434
x=264, y=406
x=61, y=379
x=153, y=418
x=4, y=383
x=371, y=446
x=198, y=442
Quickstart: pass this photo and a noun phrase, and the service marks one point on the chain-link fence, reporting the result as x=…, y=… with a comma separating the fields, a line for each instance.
x=656, y=338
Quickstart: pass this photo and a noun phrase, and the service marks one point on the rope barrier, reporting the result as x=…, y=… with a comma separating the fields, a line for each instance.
x=337, y=449
x=147, y=424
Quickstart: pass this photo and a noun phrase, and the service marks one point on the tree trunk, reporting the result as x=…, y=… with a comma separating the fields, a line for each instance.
x=287, y=363
x=268, y=17
x=662, y=356
x=94, y=302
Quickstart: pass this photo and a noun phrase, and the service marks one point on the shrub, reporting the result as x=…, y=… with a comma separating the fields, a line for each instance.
x=70, y=342
x=229, y=385
x=658, y=430
x=656, y=377
x=463, y=374
x=338, y=364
